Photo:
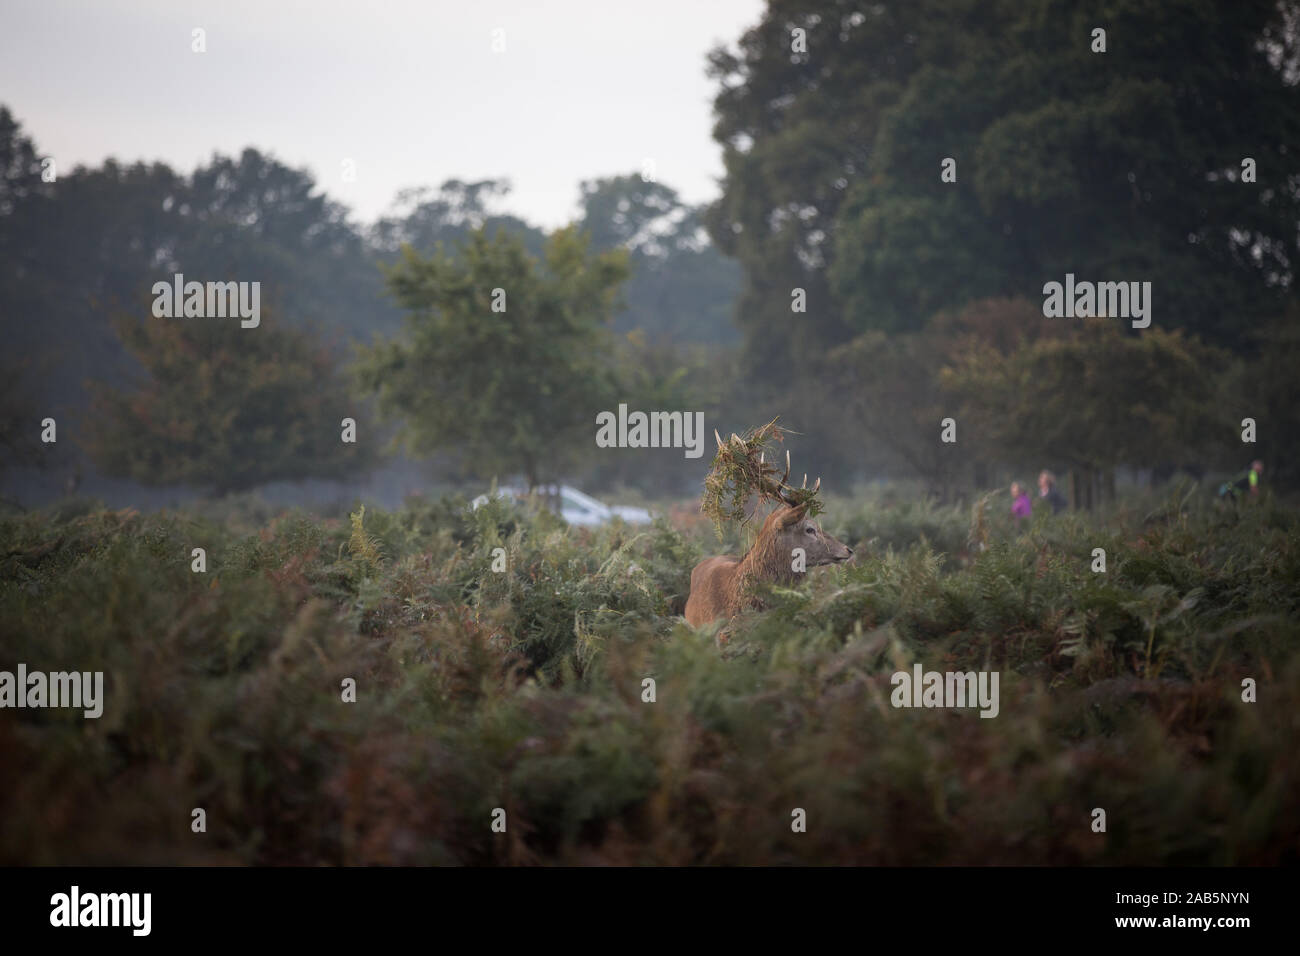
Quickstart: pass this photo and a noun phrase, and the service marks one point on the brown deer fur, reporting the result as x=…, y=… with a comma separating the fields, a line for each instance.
x=722, y=586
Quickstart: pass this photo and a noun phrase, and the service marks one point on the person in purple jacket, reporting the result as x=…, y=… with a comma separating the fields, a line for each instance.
x=1021, y=506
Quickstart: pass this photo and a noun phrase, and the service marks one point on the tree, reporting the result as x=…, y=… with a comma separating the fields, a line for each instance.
x=79, y=249
x=256, y=218
x=516, y=387
x=226, y=408
x=422, y=218
x=1266, y=388
x=797, y=123
x=682, y=289
x=797, y=118
x=667, y=377
x=889, y=387
x=20, y=418
x=1118, y=165
x=1092, y=397
x=834, y=119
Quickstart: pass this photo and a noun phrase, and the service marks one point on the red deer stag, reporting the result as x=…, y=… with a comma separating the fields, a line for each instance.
x=722, y=586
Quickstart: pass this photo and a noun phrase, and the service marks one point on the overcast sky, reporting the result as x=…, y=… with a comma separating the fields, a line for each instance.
x=412, y=92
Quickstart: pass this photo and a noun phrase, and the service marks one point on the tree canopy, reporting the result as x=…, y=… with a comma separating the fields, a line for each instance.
x=515, y=387
x=1125, y=164
x=225, y=408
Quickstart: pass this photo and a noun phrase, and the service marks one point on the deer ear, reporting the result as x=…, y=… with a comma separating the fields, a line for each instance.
x=791, y=515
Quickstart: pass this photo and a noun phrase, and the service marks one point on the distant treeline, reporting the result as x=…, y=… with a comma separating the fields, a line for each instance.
x=81, y=252
x=905, y=163
x=903, y=185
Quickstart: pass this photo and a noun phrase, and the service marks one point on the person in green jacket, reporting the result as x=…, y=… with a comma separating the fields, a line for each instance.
x=1247, y=484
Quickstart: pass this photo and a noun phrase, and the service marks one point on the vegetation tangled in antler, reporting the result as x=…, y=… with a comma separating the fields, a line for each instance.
x=741, y=469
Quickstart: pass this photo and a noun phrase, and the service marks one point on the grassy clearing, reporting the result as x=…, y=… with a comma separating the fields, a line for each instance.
x=523, y=690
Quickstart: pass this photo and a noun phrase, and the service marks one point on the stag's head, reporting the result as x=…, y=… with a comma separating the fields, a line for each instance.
x=789, y=526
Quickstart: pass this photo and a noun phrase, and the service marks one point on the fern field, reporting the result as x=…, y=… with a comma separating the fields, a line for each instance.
x=504, y=660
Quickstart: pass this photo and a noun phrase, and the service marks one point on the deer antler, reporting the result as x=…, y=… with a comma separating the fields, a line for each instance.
x=736, y=475
x=776, y=489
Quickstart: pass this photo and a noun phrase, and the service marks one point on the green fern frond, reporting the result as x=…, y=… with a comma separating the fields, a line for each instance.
x=362, y=545
x=742, y=468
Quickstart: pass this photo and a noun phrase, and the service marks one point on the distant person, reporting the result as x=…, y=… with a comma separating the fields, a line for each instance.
x=1247, y=484
x=1021, y=506
x=1047, y=489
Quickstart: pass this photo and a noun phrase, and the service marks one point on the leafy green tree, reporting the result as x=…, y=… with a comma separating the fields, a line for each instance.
x=25, y=201
x=1266, y=388
x=1123, y=164
x=1139, y=150
x=682, y=290
x=889, y=385
x=20, y=418
x=660, y=376
x=1093, y=397
x=226, y=408
x=77, y=250
x=421, y=218
x=796, y=130
x=20, y=169
x=516, y=389
x=255, y=218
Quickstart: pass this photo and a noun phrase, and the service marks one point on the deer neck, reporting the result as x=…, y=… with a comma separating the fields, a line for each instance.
x=764, y=562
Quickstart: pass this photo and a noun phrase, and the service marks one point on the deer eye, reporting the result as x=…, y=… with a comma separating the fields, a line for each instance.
x=810, y=530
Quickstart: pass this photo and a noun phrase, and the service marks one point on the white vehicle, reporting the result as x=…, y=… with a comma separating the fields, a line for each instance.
x=574, y=507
